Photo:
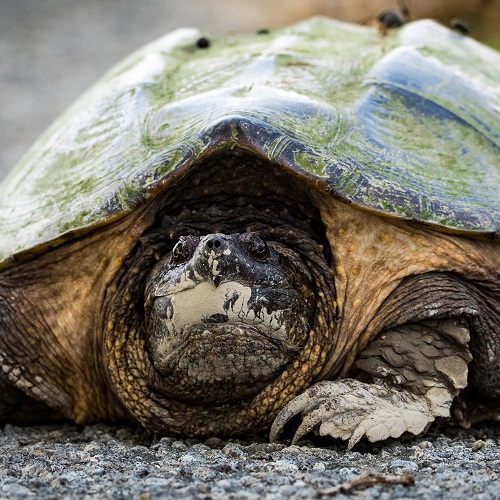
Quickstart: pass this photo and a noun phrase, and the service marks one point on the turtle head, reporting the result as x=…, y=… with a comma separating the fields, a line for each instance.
x=226, y=313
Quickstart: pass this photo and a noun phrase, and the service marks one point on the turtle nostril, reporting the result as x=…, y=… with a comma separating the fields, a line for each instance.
x=213, y=243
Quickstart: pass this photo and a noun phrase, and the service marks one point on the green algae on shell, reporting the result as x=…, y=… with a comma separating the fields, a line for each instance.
x=405, y=125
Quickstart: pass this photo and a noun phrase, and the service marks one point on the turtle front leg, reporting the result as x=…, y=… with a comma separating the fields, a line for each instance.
x=409, y=376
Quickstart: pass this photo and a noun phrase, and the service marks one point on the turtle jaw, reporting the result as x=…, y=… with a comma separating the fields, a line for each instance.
x=218, y=364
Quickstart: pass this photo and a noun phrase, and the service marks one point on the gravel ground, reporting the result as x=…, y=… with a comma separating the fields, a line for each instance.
x=68, y=461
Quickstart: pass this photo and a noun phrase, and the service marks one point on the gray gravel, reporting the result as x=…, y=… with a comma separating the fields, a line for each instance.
x=67, y=461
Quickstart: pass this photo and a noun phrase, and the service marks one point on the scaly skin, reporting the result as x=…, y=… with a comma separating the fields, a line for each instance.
x=373, y=256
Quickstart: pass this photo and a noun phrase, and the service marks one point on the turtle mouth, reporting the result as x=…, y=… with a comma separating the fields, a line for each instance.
x=214, y=334
x=215, y=338
x=218, y=361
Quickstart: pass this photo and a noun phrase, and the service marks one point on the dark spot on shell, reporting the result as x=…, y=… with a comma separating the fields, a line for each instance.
x=263, y=31
x=390, y=19
x=460, y=26
x=203, y=43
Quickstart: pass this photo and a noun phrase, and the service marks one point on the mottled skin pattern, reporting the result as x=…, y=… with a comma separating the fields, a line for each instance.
x=388, y=306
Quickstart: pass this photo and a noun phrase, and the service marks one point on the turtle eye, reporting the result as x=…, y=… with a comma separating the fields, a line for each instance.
x=184, y=249
x=257, y=248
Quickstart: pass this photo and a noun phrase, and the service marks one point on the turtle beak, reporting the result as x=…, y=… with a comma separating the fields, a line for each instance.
x=217, y=280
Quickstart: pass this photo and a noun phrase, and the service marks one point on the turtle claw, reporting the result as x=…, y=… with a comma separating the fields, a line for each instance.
x=351, y=410
x=358, y=433
x=293, y=408
x=311, y=404
x=310, y=422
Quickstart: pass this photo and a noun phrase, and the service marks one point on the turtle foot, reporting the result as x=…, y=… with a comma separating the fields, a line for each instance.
x=350, y=410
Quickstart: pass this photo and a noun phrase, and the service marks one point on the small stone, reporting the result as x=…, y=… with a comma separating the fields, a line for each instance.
x=477, y=445
x=425, y=445
x=123, y=434
x=68, y=477
x=246, y=495
x=348, y=471
x=188, y=459
x=319, y=466
x=142, y=471
x=179, y=445
x=282, y=467
x=15, y=490
x=403, y=466
x=160, y=482
x=205, y=474
x=213, y=442
x=167, y=441
x=232, y=450
x=203, y=488
x=91, y=448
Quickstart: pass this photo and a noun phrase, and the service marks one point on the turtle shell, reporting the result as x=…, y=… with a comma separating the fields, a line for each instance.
x=406, y=125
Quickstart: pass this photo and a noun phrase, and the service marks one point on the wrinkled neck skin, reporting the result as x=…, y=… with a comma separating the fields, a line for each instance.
x=378, y=261
x=224, y=332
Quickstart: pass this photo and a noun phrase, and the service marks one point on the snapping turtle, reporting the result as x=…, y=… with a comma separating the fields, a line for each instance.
x=220, y=236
